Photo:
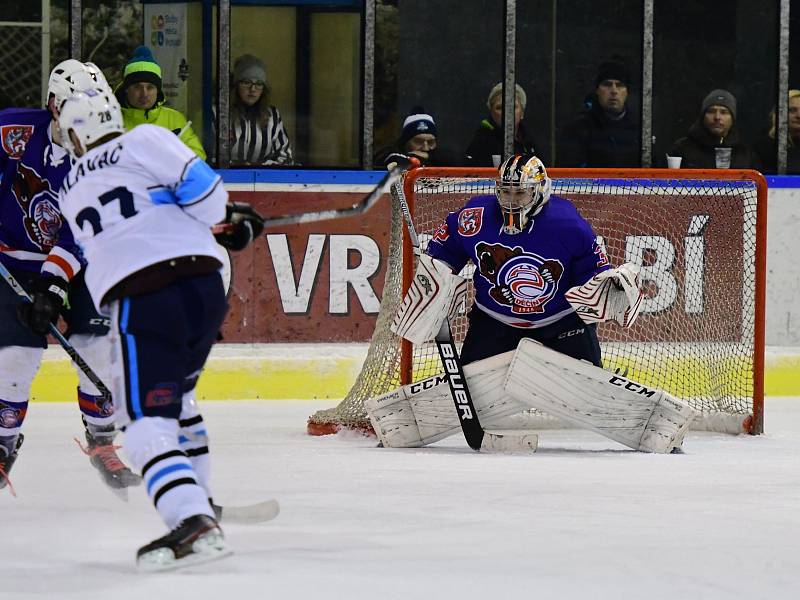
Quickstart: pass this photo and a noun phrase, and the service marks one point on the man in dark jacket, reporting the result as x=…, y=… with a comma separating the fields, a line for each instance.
x=486, y=147
x=418, y=140
x=713, y=141
x=606, y=134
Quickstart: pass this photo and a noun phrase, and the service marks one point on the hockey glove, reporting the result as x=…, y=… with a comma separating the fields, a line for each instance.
x=48, y=295
x=241, y=226
x=404, y=161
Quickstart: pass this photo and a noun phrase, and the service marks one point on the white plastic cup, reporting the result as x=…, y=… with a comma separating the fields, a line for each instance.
x=496, y=160
x=674, y=162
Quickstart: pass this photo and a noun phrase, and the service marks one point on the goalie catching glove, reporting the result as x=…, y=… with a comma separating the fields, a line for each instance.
x=612, y=294
x=241, y=226
x=435, y=294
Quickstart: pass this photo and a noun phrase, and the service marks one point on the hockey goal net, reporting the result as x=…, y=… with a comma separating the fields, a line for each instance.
x=700, y=237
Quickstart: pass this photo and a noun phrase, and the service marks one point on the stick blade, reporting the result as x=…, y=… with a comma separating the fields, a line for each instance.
x=524, y=443
x=260, y=512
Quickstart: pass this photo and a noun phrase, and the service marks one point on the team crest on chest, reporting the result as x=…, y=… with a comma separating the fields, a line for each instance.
x=524, y=281
x=470, y=221
x=38, y=202
x=15, y=138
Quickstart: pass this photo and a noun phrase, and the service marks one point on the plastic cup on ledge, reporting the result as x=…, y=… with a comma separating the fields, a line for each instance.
x=674, y=162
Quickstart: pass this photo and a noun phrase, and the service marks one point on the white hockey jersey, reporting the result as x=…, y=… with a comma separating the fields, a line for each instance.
x=137, y=200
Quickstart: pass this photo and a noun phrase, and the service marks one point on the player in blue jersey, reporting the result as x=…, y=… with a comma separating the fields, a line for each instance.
x=530, y=248
x=141, y=206
x=40, y=253
x=540, y=273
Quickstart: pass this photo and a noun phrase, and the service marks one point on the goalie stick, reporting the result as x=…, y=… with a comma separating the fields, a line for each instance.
x=70, y=349
x=467, y=415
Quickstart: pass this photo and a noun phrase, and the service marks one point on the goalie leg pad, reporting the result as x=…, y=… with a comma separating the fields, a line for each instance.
x=588, y=397
x=422, y=413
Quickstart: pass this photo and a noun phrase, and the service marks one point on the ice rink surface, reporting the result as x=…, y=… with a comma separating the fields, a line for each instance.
x=582, y=518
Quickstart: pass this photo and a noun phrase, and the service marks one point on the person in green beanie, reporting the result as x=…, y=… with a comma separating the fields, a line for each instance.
x=142, y=100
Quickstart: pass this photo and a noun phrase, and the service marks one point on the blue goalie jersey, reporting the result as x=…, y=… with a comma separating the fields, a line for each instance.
x=33, y=234
x=521, y=279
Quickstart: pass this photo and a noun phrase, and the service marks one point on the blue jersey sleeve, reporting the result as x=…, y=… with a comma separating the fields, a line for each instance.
x=590, y=258
x=445, y=245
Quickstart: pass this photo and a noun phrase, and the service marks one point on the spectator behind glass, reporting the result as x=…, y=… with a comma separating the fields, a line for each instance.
x=258, y=136
x=419, y=140
x=606, y=133
x=142, y=100
x=713, y=141
x=487, y=141
x=767, y=147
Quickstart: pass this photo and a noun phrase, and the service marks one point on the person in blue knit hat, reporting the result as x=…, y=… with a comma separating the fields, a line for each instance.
x=142, y=100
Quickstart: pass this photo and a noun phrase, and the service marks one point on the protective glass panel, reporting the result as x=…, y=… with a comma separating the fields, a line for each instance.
x=597, y=42
x=439, y=59
x=705, y=46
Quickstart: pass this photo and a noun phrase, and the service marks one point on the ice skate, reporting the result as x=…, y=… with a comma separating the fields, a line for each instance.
x=103, y=455
x=7, y=461
x=195, y=540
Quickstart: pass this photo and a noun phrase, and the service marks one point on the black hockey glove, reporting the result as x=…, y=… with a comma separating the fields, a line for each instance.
x=404, y=161
x=396, y=159
x=48, y=294
x=241, y=226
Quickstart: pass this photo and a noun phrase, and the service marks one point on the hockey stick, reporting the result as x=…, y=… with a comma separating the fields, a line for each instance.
x=467, y=415
x=477, y=438
x=358, y=208
x=258, y=512
x=70, y=349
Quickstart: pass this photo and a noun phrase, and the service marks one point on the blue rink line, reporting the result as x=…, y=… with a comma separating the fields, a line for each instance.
x=347, y=177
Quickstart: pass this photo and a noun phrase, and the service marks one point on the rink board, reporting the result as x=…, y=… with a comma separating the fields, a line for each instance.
x=325, y=371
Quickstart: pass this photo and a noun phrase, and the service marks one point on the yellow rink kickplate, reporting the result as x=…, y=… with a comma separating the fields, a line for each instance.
x=315, y=372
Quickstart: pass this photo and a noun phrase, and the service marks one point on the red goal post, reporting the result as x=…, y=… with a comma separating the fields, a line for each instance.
x=701, y=238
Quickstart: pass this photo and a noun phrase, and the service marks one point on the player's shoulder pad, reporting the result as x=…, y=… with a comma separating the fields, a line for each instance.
x=158, y=136
x=558, y=207
x=25, y=116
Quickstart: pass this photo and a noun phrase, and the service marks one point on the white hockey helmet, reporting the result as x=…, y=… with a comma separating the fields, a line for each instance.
x=523, y=189
x=92, y=114
x=70, y=76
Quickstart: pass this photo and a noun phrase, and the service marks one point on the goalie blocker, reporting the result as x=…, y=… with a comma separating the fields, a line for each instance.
x=435, y=294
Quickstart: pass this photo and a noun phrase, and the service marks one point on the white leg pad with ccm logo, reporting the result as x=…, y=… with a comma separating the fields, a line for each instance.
x=423, y=412
x=588, y=397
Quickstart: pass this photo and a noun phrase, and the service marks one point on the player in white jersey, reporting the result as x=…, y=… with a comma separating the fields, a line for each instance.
x=141, y=206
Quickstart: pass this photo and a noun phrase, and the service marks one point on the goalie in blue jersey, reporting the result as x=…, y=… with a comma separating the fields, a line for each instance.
x=542, y=282
x=530, y=248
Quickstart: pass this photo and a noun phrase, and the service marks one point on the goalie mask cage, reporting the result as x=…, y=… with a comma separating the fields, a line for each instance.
x=700, y=237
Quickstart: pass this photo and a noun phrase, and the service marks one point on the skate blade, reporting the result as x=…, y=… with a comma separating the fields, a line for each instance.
x=121, y=493
x=206, y=549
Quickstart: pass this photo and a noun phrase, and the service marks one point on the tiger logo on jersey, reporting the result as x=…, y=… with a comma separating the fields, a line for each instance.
x=470, y=221
x=522, y=280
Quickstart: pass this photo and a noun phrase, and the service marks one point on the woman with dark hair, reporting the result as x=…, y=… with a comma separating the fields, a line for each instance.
x=258, y=136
